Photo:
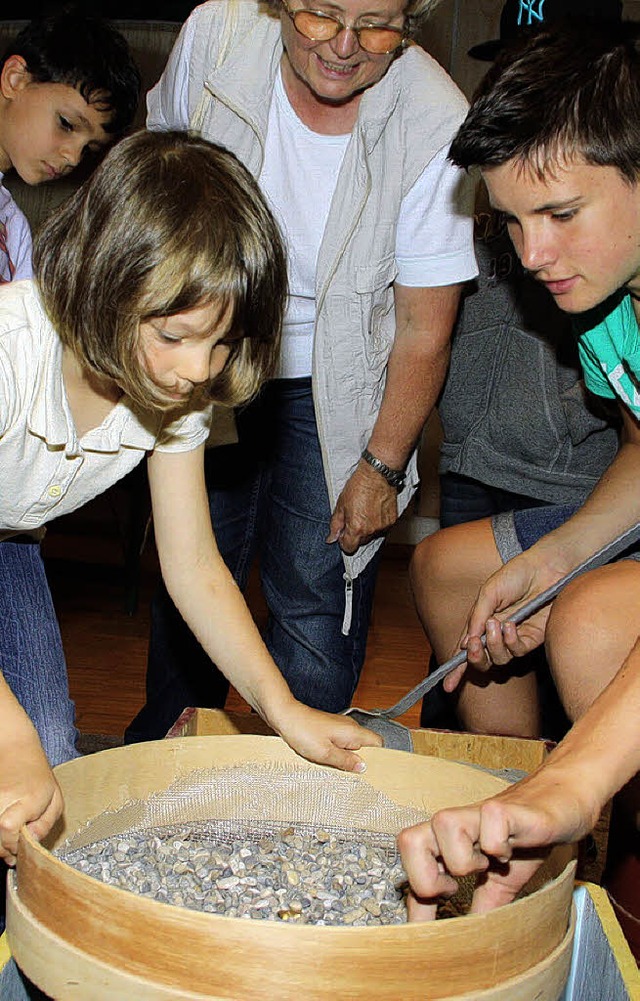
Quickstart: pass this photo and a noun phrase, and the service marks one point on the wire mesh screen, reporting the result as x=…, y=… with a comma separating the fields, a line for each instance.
x=276, y=794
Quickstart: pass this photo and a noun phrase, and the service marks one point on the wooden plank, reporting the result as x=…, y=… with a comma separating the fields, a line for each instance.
x=487, y=751
x=211, y=722
x=5, y=954
x=478, y=749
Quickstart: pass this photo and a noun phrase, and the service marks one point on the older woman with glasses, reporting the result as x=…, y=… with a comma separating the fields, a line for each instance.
x=346, y=123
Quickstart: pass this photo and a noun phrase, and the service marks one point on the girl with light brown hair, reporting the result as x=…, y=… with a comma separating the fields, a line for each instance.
x=159, y=289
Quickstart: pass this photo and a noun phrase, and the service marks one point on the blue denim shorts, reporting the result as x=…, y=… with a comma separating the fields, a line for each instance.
x=515, y=531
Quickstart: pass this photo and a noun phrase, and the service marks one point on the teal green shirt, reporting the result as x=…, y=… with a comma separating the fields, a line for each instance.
x=610, y=356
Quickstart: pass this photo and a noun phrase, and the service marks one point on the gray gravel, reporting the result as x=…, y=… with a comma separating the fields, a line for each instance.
x=299, y=874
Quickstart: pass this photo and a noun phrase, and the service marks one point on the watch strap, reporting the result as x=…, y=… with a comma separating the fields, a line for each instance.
x=394, y=477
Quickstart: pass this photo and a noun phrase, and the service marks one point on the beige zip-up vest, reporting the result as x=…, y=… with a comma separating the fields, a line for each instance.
x=403, y=121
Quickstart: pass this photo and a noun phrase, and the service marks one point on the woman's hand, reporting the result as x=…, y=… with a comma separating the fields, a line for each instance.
x=366, y=508
x=29, y=793
x=325, y=738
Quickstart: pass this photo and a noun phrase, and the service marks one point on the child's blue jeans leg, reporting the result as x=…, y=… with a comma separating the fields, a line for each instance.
x=15, y=987
x=31, y=654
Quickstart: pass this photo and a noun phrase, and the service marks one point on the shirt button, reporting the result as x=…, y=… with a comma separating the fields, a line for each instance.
x=55, y=491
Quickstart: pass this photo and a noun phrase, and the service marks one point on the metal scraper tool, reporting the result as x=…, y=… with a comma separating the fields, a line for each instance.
x=397, y=736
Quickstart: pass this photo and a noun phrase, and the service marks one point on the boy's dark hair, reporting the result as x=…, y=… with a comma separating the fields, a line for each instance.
x=568, y=91
x=84, y=52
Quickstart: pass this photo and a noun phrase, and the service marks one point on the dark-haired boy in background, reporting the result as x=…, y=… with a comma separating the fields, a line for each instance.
x=68, y=85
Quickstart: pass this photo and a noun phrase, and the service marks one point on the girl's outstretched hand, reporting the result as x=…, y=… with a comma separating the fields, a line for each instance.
x=326, y=738
x=29, y=793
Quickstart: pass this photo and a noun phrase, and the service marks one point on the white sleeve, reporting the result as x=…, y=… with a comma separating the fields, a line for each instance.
x=19, y=246
x=185, y=433
x=168, y=101
x=434, y=239
x=8, y=392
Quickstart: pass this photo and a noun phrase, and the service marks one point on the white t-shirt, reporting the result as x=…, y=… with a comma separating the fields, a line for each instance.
x=45, y=469
x=298, y=177
x=15, y=240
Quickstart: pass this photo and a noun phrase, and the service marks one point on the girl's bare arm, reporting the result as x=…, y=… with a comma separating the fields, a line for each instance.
x=210, y=602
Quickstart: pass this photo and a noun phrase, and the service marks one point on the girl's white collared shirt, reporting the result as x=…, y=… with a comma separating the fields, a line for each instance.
x=45, y=469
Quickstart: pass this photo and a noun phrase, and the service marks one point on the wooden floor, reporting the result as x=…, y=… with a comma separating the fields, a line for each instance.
x=106, y=649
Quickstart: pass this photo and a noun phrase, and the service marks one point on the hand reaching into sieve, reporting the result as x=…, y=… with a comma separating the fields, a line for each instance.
x=506, y=837
x=325, y=738
x=29, y=793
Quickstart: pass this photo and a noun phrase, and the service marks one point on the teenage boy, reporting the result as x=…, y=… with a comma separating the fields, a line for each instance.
x=554, y=131
x=67, y=86
x=507, y=444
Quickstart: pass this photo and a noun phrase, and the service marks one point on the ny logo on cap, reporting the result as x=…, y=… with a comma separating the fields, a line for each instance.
x=532, y=11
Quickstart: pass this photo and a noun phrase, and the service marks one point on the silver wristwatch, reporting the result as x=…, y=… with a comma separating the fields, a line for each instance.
x=394, y=477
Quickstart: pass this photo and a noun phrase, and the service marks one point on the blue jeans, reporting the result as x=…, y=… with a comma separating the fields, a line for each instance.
x=15, y=987
x=269, y=502
x=31, y=654
x=463, y=499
